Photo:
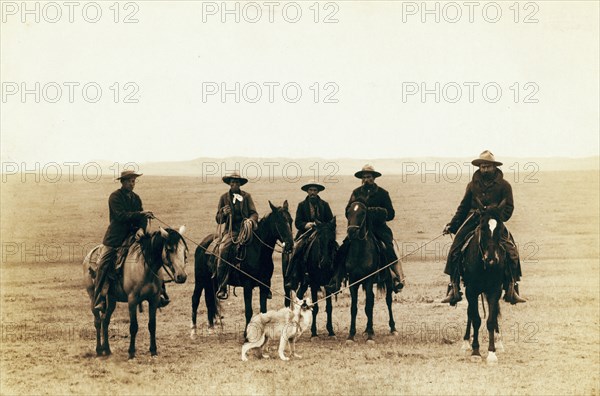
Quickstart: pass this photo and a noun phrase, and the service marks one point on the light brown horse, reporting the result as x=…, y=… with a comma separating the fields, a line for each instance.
x=149, y=259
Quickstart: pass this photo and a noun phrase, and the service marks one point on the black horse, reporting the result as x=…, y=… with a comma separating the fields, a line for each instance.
x=363, y=259
x=484, y=267
x=257, y=262
x=317, y=259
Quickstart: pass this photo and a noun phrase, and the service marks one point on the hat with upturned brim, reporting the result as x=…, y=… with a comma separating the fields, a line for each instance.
x=128, y=174
x=486, y=158
x=367, y=169
x=235, y=176
x=313, y=183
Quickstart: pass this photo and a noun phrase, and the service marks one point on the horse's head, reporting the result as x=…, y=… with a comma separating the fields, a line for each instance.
x=174, y=253
x=357, y=216
x=490, y=234
x=280, y=225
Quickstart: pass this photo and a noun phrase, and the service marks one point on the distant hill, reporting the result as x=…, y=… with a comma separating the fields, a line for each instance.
x=321, y=167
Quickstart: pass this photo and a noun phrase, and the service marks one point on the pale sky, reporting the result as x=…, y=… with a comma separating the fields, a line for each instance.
x=372, y=63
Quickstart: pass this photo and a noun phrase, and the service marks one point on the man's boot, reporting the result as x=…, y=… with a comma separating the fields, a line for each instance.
x=454, y=295
x=101, y=289
x=512, y=294
x=397, y=284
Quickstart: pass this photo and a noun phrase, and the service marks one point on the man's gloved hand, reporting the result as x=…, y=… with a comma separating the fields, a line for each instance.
x=377, y=214
x=309, y=225
x=226, y=209
x=147, y=214
x=251, y=223
x=446, y=229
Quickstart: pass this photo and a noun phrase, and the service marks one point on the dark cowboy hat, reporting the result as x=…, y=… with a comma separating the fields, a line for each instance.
x=312, y=183
x=235, y=176
x=367, y=169
x=128, y=174
x=486, y=158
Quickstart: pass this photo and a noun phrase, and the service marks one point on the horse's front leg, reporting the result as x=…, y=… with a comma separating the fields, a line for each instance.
x=263, y=297
x=329, y=309
x=110, y=308
x=467, y=337
x=313, y=294
x=133, y=326
x=370, y=303
x=353, y=312
x=152, y=306
x=492, y=325
x=247, y=307
x=388, y=301
x=473, y=312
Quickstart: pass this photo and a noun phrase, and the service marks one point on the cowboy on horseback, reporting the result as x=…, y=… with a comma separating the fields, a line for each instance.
x=380, y=209
x=127, y=217
x=488, y=188
x=237, y=212
x=312, y=211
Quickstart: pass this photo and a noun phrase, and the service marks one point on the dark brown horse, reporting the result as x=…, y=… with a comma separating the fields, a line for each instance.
x=363, y=259
x=484, y=266
x=256, y=264
x=317, y=258
x=150, y=258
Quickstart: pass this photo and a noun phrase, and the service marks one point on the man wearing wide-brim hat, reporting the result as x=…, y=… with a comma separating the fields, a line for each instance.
x=127, y=216
x=235, y=207
x=380, y=211
x=488, y=187
x=310, y=212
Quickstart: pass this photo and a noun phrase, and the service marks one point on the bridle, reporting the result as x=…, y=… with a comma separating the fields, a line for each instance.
x=361, y=225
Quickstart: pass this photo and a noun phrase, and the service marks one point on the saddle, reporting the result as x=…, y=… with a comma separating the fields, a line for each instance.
x=122, y=252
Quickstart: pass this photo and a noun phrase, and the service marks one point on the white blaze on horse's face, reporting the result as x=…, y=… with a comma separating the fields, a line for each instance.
x=492, y=223
x=175, y=257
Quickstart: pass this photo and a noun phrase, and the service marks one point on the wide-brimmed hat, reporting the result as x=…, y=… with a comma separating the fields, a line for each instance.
x=312, y=183
x=486, y=158
x=367, y=169
x=128, y=174
x=235, y=176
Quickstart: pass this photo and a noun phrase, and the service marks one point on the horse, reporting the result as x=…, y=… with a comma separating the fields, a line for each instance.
x=318, y=261
x=257, y=263
x=362, y=260
x=149, y=258
x=484, y=265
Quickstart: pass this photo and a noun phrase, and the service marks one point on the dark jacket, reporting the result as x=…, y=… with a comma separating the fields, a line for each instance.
x=377, y=200
x=240, y=211
x=322, y=213
x=488, y=193
x=125, y=212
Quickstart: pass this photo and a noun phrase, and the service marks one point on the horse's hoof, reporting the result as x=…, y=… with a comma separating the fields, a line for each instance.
x=131, y=357
x=492, y=358
x=193, y=334
x=314, y=338
x=395, y=333
x=476, y=358
x=350, y=341
x=370, y=341
x=332, y=335
x=210, y=330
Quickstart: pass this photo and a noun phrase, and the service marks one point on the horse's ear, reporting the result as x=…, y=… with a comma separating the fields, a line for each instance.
x=163, y=233
x=285, y=204
x=182, y=229
x=273, y=207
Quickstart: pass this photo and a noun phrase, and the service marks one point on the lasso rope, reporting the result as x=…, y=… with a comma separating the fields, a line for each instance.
x=329, y=295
